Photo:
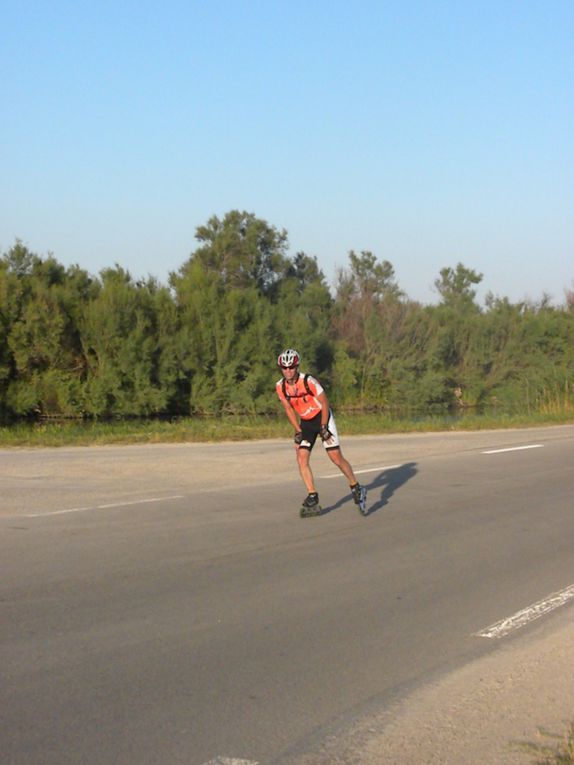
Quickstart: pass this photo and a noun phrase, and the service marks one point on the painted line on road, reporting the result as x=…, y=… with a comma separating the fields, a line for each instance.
x=514, y=449
x=360, y=472
x=103, y=507
x=529, y=614
x=230, y=761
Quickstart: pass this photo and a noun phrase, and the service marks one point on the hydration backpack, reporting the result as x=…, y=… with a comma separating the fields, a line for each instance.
x=307, y=388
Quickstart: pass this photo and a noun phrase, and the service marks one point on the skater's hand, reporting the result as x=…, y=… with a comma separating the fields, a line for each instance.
x=325, y=433
x=298, y=438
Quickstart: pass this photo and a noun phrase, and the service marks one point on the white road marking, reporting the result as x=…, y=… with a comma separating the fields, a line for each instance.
x=514, y=449
x=360, y=472
x=230, y=761
x=535, y=611
x=103, y=507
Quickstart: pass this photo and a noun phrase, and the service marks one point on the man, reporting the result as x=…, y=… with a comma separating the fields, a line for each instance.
x=307, y=409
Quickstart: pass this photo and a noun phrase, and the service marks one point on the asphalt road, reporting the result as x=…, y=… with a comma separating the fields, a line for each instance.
x=166, y=604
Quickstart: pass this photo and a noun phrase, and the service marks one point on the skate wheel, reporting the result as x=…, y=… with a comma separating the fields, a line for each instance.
x=307, y=512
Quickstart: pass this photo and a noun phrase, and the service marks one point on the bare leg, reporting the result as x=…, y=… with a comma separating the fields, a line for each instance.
x=303, y=456
x=336, y=456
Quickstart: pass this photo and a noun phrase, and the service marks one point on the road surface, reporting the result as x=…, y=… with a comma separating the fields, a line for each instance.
x=166, y=604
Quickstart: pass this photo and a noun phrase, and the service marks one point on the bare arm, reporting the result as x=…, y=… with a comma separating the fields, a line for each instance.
x=325, y=409
x=291, y=416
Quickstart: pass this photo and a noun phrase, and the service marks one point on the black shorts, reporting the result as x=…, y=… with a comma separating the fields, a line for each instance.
x=311, y=428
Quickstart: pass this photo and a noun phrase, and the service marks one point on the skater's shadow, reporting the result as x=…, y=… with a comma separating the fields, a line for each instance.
x=389, y=481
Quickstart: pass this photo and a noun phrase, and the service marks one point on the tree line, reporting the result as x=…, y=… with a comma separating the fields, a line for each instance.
x=74, y=344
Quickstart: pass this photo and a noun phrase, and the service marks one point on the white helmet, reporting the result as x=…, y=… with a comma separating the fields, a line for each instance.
x=288, y=358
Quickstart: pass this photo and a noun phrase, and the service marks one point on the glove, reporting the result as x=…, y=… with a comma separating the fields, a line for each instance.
x=325, y=433
x=298, y=437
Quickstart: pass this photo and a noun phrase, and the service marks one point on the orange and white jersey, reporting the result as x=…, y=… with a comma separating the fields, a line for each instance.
x=302, y=395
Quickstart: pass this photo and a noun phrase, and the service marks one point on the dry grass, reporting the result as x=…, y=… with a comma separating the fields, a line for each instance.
x=554, y=749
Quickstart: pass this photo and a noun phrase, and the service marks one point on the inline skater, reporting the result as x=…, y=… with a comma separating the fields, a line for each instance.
x=307, y=409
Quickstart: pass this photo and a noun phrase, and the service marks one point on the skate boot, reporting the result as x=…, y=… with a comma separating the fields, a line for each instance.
x=310, y=506
x=360, y=498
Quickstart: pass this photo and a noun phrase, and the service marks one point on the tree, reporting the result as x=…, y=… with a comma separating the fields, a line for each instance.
x=120, y=340
x=455, y=286
x=302, y=319
x=6, y=358
x=41, y=303
x=243, y=250
x=367, y=278
x=569, y=295
x=240, y=298
x=223, y=342
x=367, y=297
x=304, y=270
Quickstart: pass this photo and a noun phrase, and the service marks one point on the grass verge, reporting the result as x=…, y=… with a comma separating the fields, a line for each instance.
x=240, y=428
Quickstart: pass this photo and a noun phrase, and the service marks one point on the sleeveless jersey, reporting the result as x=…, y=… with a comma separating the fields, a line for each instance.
x=302, y=395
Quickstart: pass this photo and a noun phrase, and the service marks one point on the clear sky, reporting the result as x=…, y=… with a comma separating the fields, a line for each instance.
x=429, y=132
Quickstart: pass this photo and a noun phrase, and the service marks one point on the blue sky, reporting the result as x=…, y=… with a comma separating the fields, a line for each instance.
x=430, y=133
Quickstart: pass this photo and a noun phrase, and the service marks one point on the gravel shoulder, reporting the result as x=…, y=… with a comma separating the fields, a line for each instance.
x=486, y=712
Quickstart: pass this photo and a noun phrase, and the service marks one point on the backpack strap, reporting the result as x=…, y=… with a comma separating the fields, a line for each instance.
x=305, y=382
